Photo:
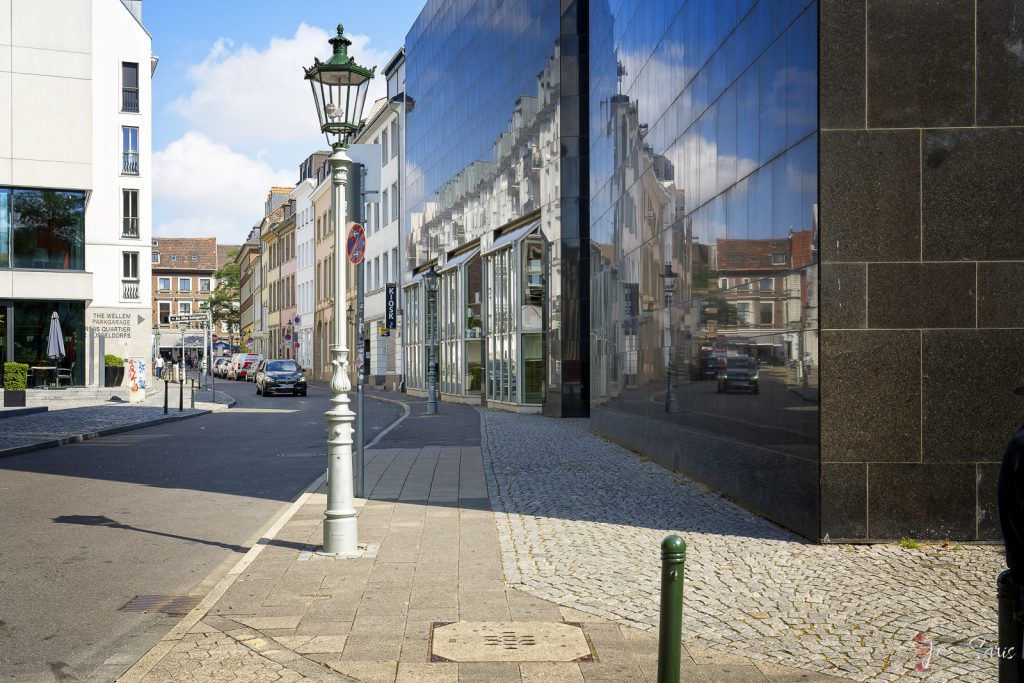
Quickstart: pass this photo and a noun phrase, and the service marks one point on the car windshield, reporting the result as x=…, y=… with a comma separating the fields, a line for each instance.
x=740, y=362
x=282, y=366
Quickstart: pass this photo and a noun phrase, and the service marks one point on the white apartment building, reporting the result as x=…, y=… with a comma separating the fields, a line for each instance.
x=75, y=182
x=305, y=272
x=382, y=221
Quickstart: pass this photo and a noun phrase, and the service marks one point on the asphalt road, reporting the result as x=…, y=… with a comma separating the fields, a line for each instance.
x=160, y=511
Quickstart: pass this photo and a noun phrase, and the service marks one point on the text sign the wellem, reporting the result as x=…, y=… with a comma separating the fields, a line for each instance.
x=390, y=306
x=356, y=243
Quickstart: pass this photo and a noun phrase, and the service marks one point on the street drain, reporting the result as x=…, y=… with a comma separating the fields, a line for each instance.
x=508, y=641
x=175, y=605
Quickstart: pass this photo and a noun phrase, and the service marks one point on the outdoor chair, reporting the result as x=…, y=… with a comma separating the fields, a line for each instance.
x=65, y=374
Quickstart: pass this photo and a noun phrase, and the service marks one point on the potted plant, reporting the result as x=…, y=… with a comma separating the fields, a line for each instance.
x=15, y=378
x=113, y=373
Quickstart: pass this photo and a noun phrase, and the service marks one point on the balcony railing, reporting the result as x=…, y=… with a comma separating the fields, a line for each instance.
x=129, y=289
x=130, y=163
x=130, y=227
x=130, y=99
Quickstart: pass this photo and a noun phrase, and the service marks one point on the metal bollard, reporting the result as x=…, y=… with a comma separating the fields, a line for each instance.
x=167, y=384
x=670, y=626
x=192, y=399
x=1010, y=634
x=181, y=395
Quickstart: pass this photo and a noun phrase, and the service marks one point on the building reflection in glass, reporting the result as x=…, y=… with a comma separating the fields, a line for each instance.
x=704, y=345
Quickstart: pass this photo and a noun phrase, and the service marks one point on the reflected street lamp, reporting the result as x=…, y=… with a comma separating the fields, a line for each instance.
x=430, y=279
x=668, y=281
x=339, y=89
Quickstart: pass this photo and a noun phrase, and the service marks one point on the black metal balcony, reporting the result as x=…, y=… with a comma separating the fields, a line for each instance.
x=130, y=99
x=129, y=289
x=130, y=227
x=130, y=163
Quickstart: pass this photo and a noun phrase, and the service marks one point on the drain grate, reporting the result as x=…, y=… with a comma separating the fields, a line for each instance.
x=301, y=455
x=482, y=641
x=175, y=605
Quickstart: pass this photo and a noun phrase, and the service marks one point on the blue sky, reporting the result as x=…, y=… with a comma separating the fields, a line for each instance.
x=232, y=114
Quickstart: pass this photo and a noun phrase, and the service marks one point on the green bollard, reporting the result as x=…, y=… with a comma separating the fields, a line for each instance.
x=1010, y=635
x=192, y=398
x=181, y=395
x=166, y=385
x=670, y=627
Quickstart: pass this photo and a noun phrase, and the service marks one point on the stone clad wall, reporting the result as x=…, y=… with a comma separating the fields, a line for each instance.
x=922, y=252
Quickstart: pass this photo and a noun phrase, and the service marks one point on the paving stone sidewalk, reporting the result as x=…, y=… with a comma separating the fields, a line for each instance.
x=580, y=521
x=290, y=615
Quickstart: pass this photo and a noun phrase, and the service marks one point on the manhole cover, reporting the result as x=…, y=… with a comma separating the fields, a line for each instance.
x=508, y=641
x=177, y=605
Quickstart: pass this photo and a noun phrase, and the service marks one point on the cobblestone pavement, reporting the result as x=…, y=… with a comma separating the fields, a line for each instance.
x=580, y=521
x=25, y=430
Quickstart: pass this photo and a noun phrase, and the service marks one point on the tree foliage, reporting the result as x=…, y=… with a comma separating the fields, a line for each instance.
x=224, y=300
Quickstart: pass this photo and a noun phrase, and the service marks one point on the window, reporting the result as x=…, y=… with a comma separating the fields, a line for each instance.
x=42, y=229
x=394, y=263
x=766, y=313
x=130, y=213
x=766, y=285
x=184, y=284
x=204, y=284
x=723, y=283
x=130, y=265
x=129, y=150
x=164, y=312
x=129, y=86
x=384, y=148
x=384, y=209
x=376, y=272
x=185, y=307
x=195, y=259
x=163, y=284
x=743, y=313
x=394, y=200
x=778, y=259
x=394, y=139
x=744, y=284
x=156, y=257
x=384, y=262
x=173, y=259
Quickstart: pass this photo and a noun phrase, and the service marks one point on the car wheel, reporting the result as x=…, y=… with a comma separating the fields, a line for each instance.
x=303, y=393
x=266, y=394
x=258, y=392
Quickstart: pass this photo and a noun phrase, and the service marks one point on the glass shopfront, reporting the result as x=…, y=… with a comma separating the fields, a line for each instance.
x=704, y=276
x=460, y=334
x=25, y=334
x=42, y=229
x=413, y=337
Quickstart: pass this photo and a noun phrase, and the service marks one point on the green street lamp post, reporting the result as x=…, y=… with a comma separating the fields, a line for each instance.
x=668, y=279
x=430, y=279
x=339, y=89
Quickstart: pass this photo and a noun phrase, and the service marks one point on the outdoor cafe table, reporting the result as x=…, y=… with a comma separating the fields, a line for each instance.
x=44, y=370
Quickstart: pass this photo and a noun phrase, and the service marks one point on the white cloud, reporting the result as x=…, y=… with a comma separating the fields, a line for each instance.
x=204, y=188
x=252, y=99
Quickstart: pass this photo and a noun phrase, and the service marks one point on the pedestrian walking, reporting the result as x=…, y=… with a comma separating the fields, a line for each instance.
x=159, y=367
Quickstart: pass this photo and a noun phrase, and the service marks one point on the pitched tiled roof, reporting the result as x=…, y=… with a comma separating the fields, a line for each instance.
x=222, y=253
x=178, y=253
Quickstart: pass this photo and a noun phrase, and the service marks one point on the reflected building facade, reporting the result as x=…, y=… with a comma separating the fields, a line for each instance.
x=495, y=200
x=623, y=202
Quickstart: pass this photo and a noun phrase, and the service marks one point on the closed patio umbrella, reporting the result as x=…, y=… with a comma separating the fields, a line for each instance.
x=55, y=345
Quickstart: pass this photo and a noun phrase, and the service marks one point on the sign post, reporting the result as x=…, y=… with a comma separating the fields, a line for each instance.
x=356, y=252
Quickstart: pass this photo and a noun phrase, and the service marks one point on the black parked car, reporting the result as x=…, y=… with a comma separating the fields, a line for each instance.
x=274, y=376
x=739, y=372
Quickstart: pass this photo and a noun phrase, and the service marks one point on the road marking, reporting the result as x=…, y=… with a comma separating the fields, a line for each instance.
x=263, y=410
x=405, y=414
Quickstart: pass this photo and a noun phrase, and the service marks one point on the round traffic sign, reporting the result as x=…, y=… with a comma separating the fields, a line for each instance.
x=213, y=337
x=356, y=243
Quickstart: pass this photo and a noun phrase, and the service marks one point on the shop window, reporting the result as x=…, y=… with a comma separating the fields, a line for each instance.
x=42, y=229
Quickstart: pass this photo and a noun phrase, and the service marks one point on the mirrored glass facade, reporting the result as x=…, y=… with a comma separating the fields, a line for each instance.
x=703, y=257
x=496, y=142
x=42, y=229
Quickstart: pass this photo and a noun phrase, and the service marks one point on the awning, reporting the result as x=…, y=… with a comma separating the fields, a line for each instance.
x=459, y=260
x=512, y=237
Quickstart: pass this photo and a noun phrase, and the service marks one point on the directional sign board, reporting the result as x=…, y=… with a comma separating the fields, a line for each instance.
x=356, y=244
x=187, y=318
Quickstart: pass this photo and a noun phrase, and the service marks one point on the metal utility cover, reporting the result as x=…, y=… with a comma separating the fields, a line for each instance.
x=509, y=641
x=177, y=605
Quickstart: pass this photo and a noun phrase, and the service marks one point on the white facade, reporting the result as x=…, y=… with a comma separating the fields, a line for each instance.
x=305, y=269
x=79, y=74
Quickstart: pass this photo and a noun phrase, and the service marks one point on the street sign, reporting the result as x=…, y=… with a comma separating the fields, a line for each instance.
x=204, y=305
x=213, y=337
x=356, y=243
x=187, y=318
x=391, y=305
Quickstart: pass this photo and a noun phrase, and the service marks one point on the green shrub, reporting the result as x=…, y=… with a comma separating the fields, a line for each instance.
x=15, y=376
x=112, y=361
x=909, y=543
